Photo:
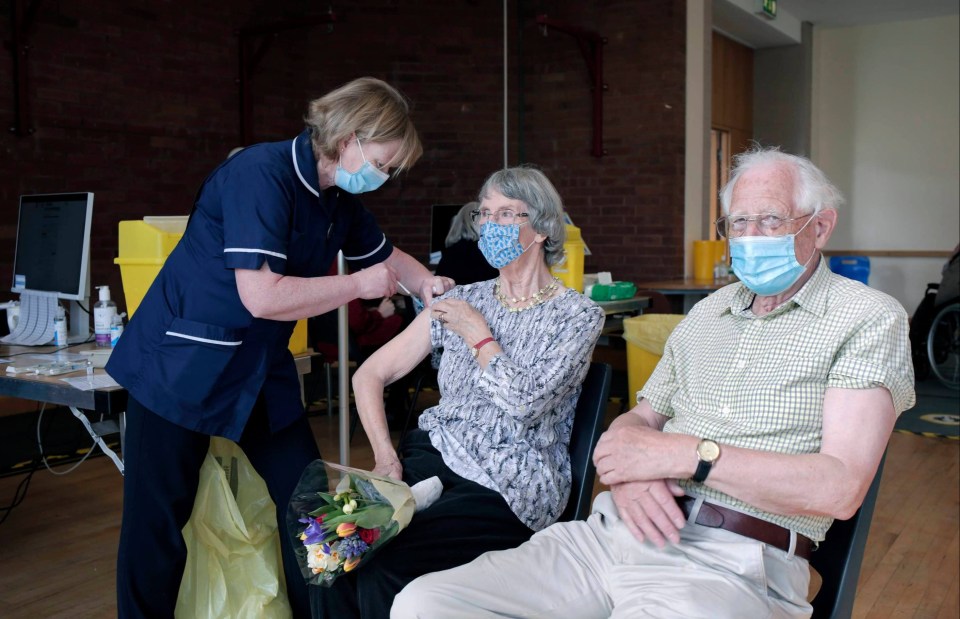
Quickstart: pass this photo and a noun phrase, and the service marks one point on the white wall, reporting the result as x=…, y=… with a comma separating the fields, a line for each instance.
x=886, y=129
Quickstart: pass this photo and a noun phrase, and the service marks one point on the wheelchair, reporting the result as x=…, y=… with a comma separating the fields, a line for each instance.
x=935, y=329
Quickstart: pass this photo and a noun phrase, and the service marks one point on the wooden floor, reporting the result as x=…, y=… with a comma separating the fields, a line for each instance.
x=57, y=549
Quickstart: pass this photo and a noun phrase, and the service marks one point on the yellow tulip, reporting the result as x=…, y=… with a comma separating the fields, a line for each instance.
x=350, y=563
x=346, y=529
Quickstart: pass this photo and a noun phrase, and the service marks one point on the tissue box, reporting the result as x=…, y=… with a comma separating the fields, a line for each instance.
x=613, y=291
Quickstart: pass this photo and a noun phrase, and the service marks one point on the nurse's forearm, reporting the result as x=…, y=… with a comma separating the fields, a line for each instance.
x=278, y=297
x=409, y=270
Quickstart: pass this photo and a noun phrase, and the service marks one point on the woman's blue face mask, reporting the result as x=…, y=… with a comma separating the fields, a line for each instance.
x=767, y=265
x=367, y=178
x=500, y=244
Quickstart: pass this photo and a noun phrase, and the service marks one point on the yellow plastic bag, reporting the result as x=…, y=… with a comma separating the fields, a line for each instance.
x=233, y=566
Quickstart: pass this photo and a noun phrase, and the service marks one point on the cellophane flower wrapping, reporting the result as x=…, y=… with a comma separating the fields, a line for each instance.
x=340, y=516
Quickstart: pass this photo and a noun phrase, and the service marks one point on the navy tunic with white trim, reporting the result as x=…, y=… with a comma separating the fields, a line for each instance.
x=192, y=353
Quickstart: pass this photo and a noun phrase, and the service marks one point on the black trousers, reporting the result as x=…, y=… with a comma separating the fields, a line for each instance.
x=161, y=473
x=465, y=522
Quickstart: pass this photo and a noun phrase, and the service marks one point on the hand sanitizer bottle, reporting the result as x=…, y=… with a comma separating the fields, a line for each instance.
x=60, y=327
x=103, y=312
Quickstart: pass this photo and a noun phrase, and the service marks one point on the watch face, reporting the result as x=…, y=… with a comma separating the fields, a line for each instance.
x=708, y=450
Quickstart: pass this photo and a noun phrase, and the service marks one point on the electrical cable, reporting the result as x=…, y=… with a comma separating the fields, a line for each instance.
x=43, y=458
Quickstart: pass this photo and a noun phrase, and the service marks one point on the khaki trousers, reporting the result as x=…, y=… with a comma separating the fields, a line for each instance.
x=596, y=568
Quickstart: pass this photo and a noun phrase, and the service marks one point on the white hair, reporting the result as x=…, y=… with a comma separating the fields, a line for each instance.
x=813, y=191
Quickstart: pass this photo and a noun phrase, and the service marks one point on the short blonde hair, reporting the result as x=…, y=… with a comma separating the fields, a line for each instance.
x=369, y=108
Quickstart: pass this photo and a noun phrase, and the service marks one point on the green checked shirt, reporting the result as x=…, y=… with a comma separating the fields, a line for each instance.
x=758, y=382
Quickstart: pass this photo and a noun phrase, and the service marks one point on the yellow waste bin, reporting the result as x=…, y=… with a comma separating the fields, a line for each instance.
x=143, y=248
x=645, y=336
x=570, y=269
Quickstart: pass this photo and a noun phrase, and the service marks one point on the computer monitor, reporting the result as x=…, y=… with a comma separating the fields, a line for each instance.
x=53, y=251
x=440, y=217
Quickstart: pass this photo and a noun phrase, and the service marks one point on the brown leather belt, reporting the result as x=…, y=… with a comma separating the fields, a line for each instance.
x=718, y=517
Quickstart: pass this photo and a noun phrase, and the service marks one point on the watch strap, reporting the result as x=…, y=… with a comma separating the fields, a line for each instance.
x=703, y=469
x=476, y=347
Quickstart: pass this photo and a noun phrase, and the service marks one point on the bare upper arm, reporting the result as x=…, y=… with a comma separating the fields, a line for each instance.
x=402, y=354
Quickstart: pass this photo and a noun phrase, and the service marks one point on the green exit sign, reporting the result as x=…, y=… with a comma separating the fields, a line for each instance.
x=767, y=8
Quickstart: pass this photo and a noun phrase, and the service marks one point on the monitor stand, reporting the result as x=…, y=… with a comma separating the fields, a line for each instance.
x=78, y=327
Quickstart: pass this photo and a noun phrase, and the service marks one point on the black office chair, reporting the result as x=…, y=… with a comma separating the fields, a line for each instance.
x=839, y=557
x=587, y=427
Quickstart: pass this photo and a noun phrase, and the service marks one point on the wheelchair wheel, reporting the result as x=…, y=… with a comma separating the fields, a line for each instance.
x=943, y=345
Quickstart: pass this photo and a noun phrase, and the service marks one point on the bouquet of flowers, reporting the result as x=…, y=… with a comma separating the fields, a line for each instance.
x=337, y=531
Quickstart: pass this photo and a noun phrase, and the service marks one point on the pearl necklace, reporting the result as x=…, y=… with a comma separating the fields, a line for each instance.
x=535, y=299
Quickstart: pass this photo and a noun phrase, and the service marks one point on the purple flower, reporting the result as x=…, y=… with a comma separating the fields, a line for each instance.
x=314, y=532
x=352, y=546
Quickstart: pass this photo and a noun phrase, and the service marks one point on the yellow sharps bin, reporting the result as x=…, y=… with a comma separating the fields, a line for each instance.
x=570, y=269
x=144, y=246
x=645, y=336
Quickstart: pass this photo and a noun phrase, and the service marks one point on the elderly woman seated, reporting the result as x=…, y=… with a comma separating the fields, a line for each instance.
x=516, y=350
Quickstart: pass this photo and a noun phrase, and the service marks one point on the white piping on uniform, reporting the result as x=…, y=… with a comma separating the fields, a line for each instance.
x=203, y=339
x=248, y=250
x=382, y=243
x=293, y=152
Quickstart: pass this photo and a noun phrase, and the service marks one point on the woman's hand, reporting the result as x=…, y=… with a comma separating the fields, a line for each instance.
x=389, y=467
x=462, y=318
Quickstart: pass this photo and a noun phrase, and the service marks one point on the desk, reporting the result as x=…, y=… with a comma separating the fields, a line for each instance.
x=691, y=290
x=108, y=404
x=613, y=310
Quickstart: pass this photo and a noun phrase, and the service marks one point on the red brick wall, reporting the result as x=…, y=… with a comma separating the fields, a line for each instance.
x=138, y=101
x=628, y=203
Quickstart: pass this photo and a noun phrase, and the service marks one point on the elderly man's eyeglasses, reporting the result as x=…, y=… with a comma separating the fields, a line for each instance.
x=769, y=225
x=503, y=217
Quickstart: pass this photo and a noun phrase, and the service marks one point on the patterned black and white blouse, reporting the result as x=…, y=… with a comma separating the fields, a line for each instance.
x=508, y=427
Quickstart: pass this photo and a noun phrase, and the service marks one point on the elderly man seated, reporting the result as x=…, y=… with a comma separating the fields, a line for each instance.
x=765, y=420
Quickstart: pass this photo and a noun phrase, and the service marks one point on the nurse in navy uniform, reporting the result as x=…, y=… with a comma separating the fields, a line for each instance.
x=206, y=353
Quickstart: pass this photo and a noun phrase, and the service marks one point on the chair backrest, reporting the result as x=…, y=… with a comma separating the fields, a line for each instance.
x=659, y=303
x=840, y=555
x=587, y=427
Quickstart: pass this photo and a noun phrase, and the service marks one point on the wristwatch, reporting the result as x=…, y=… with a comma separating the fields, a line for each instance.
x=708, y=451
x=475, y=349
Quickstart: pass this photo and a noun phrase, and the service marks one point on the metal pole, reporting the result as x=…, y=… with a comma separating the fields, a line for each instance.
x=344, y=373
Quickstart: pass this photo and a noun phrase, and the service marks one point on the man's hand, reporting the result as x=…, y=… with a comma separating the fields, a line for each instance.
x=650, y=510
x=633, y=452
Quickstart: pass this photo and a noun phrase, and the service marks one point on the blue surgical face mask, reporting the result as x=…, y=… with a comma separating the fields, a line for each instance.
x=767, y=265
x=500, y=244
x=367, y=178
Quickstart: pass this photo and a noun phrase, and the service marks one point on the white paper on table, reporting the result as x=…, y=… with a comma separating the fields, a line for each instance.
x=86, y=383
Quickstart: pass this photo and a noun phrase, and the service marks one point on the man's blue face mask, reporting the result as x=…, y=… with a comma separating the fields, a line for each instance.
x=767, y=265
x=367, y=178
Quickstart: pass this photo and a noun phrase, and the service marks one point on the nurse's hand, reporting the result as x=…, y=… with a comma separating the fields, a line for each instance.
x=377, y=281
x=433, y=287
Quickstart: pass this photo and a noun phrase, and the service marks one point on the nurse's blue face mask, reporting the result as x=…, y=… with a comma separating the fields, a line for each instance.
x=768, y=265
x=367, y=178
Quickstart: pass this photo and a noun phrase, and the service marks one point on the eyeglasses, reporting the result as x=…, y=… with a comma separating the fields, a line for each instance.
x=503, y=217
x=768, y=224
